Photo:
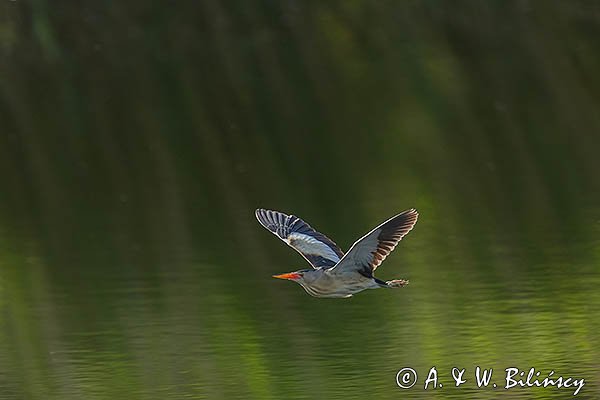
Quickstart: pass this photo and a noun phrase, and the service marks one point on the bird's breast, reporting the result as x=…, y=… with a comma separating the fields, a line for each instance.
x=329, y=286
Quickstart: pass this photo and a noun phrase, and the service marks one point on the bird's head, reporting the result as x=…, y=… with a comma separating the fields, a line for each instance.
x=299, y=276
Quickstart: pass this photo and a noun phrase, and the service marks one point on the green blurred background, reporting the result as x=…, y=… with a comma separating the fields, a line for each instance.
x=137, y=138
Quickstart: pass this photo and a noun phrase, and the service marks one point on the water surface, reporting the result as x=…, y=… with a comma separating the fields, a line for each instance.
x=138, y=139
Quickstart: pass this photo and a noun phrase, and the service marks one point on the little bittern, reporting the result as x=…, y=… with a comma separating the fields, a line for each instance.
x=333, y=273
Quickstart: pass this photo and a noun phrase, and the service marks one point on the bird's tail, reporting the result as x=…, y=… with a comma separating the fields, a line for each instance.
x=396, y=283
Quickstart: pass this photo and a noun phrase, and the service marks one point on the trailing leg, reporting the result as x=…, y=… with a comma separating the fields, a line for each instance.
x=396, y=283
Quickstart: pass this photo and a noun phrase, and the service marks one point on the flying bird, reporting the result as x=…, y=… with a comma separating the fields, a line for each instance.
x=333, y=273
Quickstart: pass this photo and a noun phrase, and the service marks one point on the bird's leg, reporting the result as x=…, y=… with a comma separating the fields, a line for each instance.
x=397, y=283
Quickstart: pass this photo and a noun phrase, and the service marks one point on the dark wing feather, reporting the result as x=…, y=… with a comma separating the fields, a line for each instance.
x=315, y=247
x=369, y=251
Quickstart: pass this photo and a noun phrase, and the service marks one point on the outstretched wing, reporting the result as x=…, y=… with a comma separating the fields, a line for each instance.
x=315, y=247
x=368, y=252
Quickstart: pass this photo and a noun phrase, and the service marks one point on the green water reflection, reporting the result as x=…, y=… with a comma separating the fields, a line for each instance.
x=137, y=139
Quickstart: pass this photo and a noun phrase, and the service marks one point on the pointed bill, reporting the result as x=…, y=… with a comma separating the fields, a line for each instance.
x=291, y=276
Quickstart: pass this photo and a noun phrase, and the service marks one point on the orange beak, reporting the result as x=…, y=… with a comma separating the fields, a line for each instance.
x=292, y=276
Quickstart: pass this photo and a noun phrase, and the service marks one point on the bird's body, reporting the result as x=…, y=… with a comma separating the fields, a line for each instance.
x=335, y=274
x=321, y=282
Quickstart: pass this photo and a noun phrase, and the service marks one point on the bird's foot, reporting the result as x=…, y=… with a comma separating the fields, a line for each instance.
x=396, y=283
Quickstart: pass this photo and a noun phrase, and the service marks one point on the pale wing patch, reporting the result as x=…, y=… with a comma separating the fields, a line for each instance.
x=363, y=253
x=367, y=253
x=309, y=245
x=316, y=248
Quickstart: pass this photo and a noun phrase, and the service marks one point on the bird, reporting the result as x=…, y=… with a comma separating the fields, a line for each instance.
x=333, y=273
